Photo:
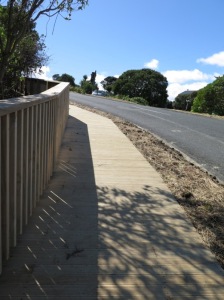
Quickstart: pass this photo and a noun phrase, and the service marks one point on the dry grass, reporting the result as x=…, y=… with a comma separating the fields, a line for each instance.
x=201, y=195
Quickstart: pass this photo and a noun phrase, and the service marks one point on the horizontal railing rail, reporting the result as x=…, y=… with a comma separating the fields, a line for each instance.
x=31, y=130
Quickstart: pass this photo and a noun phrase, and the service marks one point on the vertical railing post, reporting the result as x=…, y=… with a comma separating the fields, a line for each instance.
x=20, y=170
x=26, y=165
x=30, y=139
x=0, y=195
x=31, y=161
x=13, y=178
x=35, y=159
x=5, y=187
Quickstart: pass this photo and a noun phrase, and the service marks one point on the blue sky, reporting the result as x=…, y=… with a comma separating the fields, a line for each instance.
x=183, y=40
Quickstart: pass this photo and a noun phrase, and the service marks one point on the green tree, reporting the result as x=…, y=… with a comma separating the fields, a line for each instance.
x=210, y=99
x=146, y=83
x=28, y=57
x=87, y=87
x=108, y=83
x=15, y=18
x=56, y=77
x=93, y=78
x=85, y=77
x=64, y=77
x=184, y=101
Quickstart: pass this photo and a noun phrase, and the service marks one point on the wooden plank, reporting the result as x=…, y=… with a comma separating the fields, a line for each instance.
x=13, y=178
x=26, y=165
x=31, y=117
x=35, y=160
x=39, y=152
x=0, y=196
x=5, y=187
x=42, y=148
x=20, y=173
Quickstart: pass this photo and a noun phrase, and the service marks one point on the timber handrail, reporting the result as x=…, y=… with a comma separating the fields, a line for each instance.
x=31, y=130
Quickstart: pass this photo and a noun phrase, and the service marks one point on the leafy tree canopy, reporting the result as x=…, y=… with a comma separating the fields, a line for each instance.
x=64, y=77
x=88, y=86
x=146, y=83
x=184, y=101
x=16, y=16
x=108, y=83
x=28, y=56
x=210, y=99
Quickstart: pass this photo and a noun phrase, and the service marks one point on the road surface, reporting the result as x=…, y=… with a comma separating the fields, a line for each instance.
x=200, y=138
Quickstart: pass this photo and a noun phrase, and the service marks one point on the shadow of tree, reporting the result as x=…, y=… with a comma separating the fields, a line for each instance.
x=149, y=250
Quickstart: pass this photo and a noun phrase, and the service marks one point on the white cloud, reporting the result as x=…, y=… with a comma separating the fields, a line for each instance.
x=182, y=80
x=181, y=76
x=153, y=64
x=216, y=59
x=99, y=78
x=44, y=74
x=176, y=88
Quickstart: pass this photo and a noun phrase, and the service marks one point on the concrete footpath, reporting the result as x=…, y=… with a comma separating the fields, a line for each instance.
x=108, y=228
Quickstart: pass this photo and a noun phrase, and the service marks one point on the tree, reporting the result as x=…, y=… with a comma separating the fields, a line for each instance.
x=17, y=15
x=146, y=83
x=56, y=77
x=28, y=57
x=210, y=99
x=88, y=86
x=108, y=83
x=93, y=78
x=85, y=77
x=64, y=77
x=184, y=101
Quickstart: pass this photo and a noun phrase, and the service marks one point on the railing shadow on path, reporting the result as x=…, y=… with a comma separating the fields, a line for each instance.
x=56, y=257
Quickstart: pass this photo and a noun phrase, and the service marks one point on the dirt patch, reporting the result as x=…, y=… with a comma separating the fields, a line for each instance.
x=200, y=194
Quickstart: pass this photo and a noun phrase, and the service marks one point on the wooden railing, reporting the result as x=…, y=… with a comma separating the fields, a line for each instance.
x=31, y=130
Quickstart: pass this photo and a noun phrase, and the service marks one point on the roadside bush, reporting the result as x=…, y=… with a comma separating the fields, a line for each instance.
x=137, y=100
x=77, y=89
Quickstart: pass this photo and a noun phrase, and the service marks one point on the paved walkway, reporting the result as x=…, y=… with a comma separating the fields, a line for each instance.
x=108, y=228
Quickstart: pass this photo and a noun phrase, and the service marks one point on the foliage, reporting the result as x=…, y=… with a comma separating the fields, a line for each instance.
x=64, y=77
x=184, y=101
x=93, y=78
x=28, y=57
x=16, y=17
x=108, y=83
x=77, y=89
x=88, y=86
x=169, y=104
x=146, y=83
x=210, y=99
x=137, y=100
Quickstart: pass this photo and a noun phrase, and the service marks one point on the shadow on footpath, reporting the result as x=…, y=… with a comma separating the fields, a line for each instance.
x=159, y=256
x=56, y=257
x=96, y=242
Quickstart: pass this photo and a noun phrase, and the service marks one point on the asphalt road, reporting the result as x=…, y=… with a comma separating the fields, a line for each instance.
x=200, y=138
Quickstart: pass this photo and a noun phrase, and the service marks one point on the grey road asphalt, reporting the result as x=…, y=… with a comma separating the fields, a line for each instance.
x=200, y=138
